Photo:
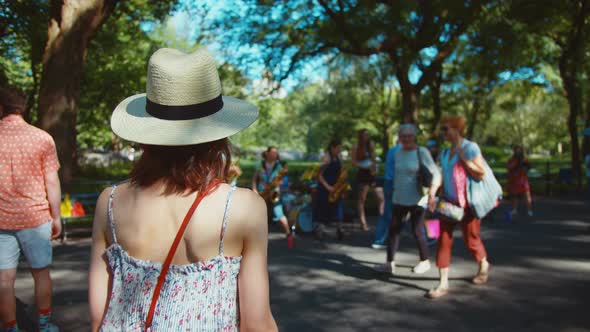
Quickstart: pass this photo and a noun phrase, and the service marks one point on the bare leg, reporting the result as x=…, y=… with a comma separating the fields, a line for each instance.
x=529, y=201
x=285, y=225
x=484, y=265
x=380, y=199
x=443, y=286
x=7, y=295
x=43, y=288
x=363, y=191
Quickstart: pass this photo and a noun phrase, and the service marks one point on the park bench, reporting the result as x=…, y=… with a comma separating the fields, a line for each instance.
x=88, y=201
x=86, y=193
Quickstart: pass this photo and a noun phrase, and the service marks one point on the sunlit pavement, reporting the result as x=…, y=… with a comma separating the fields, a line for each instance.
x=540, y=280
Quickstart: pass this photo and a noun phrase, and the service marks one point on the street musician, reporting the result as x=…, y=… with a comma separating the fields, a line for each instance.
x=266, y=181
x=332, y=185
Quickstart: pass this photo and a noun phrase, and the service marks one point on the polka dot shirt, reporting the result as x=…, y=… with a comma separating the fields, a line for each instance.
x=27, y=153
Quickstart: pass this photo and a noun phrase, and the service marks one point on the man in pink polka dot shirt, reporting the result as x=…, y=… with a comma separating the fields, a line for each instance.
x=29, y=207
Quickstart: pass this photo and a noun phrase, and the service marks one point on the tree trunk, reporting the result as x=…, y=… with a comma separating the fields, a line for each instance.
x=29, y=116
x=570, y=65
x=72, y=25
x=586, y=139
x=473, y=116
x=409, y=103
x=409, y=95
x=573, y=95
x=435, y=91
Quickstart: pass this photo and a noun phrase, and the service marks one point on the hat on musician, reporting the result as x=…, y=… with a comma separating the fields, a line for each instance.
x=183, y=104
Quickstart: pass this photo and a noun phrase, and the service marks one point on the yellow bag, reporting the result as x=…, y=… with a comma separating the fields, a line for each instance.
x=66, y=206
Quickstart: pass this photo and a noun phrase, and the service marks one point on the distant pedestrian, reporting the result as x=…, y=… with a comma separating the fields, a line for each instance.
x=30, y=198
x=379, y=242
x=518, y=180
x=364, y=159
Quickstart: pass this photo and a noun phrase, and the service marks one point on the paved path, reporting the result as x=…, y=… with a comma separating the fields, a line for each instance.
x=540, y=281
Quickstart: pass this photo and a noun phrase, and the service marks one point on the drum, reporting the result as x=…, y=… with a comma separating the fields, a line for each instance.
x=301, y=217
x=289, y=200
x=366, y=164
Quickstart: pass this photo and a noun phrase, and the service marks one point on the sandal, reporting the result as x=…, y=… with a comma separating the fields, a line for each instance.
x=482, y=277
x=435, y=293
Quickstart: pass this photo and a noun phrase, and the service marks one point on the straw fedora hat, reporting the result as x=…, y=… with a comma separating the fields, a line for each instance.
x=182, y=105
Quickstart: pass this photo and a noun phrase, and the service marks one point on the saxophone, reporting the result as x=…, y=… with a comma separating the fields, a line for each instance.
x=269, y=193
x=310, y=173
x=340, y=187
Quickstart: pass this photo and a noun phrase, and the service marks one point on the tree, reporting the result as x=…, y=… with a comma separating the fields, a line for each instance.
x=118, y=55
x=23, y=35
x=72, y=25
x=567, y=25
x=409, y=33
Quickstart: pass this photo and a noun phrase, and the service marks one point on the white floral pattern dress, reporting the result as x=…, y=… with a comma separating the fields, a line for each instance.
x=202, y=296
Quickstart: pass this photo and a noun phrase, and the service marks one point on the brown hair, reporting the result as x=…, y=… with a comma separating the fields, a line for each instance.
x=182, y=169
x=268, y=149
x=13, y=101
x=456, y=122
x=361, y=148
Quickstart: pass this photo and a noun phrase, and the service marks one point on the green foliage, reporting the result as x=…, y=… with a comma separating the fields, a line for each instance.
x=23, y=34
x=118, y=55
x=116, y=66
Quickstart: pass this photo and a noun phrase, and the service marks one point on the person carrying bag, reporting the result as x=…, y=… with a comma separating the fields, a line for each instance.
x=468, y=185
x=414, y=171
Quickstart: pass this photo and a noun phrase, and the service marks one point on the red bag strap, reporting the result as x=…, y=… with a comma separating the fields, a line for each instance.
x=166, y=265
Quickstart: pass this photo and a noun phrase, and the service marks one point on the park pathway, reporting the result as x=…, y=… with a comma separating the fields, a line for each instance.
x=540, y=281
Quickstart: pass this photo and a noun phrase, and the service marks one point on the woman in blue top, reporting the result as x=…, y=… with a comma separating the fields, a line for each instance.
x=459, y=163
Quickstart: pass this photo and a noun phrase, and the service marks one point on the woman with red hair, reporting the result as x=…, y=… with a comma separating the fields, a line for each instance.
x=176, y=246
x=462, y=161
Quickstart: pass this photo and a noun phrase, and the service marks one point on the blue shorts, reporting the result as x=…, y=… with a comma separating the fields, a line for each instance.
x=35, y=243
x=277, y=211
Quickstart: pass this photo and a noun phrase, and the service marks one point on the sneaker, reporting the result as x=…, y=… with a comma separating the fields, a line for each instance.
x=530, y=213
x=422, y=267
x=514, y=212
x=378, y=246
x=385, y=268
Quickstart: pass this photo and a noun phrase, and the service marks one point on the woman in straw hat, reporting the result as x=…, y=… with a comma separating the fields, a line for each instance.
x=155, y=266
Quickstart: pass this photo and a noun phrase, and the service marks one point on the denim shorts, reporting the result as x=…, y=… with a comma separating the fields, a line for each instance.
x=277, y=211
x=35, y=244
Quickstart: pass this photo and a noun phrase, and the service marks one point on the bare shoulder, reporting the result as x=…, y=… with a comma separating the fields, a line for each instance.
x=248, y=207
x=101, y=210
x=249, y=199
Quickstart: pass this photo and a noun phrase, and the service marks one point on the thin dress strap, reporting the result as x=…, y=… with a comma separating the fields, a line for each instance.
x=226, y=217
x=110, y=214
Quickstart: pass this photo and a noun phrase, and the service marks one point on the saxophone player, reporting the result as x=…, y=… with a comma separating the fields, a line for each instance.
x=326, y=211
x=269, y=173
